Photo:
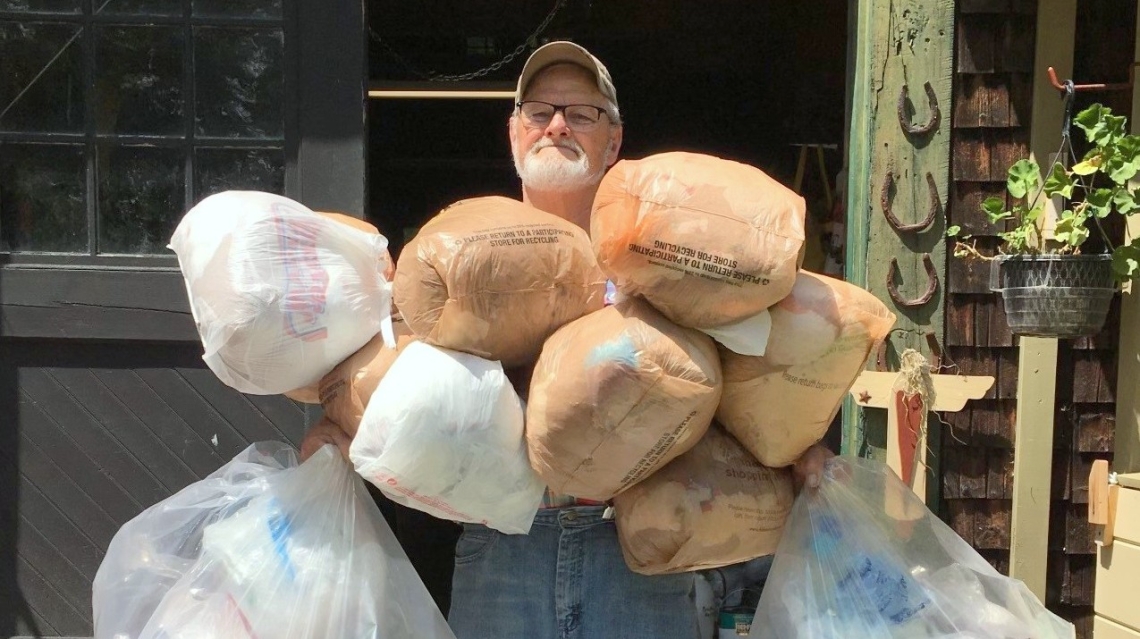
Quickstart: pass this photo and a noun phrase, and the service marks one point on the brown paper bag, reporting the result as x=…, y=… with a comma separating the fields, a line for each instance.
x=707, y=241
x=782, y=402
x=712, y=506
x=344, y=392
x=616, y=395
x=494, y=277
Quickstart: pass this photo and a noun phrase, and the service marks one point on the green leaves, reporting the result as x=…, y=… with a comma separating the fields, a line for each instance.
x=1126, y=201
x=1071, y=229
x=995, y=209
x=1059, y=182
x=1088, y=166
x=1124, y=162
x=1126, y=261
x=1024, y=178
x=1099, y=203
x=1100, y=126
x=1114, y=154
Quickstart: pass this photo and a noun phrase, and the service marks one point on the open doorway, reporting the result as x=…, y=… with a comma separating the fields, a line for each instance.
x=747, y=80
x=761, y=82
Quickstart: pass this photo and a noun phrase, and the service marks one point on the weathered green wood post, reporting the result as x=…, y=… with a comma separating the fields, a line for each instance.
x=899, y=158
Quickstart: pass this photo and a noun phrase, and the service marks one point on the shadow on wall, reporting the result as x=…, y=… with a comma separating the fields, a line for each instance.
x=16, y=616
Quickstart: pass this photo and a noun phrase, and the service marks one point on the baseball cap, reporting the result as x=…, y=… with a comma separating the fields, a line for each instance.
x=563, y=51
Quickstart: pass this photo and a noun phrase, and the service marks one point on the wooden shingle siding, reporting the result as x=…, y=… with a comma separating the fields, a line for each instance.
x=995, y=42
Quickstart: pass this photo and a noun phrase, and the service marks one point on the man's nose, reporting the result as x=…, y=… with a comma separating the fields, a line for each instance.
x=558, y=126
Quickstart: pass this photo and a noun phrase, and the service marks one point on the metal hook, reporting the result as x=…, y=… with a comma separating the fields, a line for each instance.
x=935, y=112
x=931, y=283
x=1119, y=86
x=896, y=224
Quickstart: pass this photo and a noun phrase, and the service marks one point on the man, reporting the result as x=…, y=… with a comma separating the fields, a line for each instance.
x=567, y=577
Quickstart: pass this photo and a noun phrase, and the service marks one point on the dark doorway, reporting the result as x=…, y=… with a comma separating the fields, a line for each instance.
x=745, y=80
x=741, y=79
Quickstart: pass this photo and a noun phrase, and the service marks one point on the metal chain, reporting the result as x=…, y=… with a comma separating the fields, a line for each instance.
x=507, y=59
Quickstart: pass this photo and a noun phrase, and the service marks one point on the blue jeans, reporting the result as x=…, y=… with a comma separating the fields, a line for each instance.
x=565, y=580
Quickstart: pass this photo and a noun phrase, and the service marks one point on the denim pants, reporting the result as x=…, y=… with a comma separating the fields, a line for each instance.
x=566, y=579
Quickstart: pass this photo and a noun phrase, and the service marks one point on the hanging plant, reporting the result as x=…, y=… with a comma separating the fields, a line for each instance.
x=1050, y=288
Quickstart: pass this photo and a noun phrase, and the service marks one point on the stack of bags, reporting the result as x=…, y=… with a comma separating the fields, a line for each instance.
x=686, y=401
x=682, y=403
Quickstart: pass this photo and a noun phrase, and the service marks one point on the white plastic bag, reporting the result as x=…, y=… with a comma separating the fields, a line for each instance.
x=280, y=294
x=263, y=548
x=443, y=433
x=863, y=558
x=749, y=336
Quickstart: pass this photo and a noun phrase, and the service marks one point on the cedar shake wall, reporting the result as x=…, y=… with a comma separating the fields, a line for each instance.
x=991, y=125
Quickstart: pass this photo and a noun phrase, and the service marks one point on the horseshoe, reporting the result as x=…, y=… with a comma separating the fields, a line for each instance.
x=935, y=112
x=918, y=227
x=931, y=283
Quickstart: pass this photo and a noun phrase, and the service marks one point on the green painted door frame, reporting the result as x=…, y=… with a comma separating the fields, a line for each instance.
x=900, y=71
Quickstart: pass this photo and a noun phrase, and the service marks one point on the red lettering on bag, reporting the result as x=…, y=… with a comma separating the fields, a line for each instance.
x=306, y=280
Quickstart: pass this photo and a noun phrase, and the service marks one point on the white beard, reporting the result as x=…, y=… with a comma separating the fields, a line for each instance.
x=553, y=171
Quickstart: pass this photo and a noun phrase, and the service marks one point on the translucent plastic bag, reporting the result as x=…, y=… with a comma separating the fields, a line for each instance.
x=263, y=548
x=863, y=558
x=443, y=433
x=280, y=294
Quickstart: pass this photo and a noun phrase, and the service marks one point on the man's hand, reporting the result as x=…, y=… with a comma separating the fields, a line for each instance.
x=325, y=432
x=808, y=469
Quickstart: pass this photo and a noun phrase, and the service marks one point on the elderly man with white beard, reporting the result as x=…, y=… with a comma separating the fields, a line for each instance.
x=565, y=131
x=567, y=578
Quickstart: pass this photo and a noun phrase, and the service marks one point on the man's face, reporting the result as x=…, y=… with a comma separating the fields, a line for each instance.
x=555, y=157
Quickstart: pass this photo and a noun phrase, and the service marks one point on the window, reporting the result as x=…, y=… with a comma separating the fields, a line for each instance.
x=116, y=116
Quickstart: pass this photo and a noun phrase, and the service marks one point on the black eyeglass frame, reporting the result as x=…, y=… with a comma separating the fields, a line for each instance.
x=562, y=107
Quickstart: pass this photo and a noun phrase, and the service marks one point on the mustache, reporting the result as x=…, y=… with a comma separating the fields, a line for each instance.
x=547, y=142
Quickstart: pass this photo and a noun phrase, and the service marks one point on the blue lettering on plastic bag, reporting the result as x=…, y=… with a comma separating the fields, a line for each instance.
x=826, y=536
x=279, y=531
x=893, y=594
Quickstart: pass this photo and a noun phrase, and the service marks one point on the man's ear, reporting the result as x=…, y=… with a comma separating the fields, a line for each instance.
x=511, y=131
x=613, y=147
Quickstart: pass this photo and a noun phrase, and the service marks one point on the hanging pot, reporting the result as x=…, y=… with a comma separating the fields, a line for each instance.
x=1062, y=296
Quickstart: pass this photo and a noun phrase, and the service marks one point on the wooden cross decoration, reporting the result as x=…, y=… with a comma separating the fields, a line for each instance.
x=909, y=395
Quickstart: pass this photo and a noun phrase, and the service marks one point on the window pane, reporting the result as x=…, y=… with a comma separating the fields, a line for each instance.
x=42, y=207
x=238, y=8
x=140, y=7
x=41, y=86
x=139, y=80
x=240, y=82
x=141, y=198
x=42, y=6
x=227, y=169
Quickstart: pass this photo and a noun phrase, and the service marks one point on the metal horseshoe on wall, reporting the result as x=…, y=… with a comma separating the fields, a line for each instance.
x=935, y=112
x=931, y=283
x=896, y=224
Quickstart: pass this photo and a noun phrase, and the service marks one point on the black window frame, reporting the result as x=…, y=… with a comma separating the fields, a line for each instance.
x=142, y=297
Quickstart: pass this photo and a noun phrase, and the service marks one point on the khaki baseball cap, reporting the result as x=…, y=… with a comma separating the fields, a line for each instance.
x=563, y=51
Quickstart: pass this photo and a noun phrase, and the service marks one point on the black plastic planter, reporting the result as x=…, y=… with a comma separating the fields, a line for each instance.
x=1062, y=296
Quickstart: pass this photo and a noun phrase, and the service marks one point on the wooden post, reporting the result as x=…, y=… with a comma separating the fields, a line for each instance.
x=1033, y=462
x=898, y=165
x=1126, y=455
x=858, y=197
x=1037, y=357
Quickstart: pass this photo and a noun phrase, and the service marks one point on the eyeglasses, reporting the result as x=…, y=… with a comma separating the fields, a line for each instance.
x=579, y=117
